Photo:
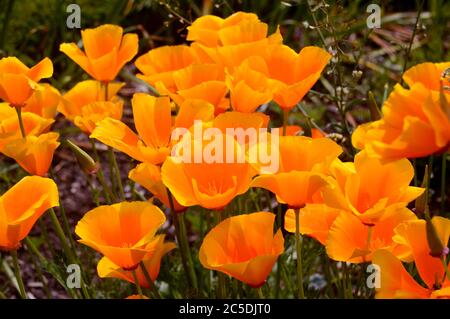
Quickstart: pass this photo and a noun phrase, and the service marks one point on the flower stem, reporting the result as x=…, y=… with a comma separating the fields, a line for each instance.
x=23, y=294
x=150, y=281
x=115, y=172
x=180, y=229
x=136, y=282
x=19, y=116
x=298, y=245
x=285, y=120
x=260, y=293
x=101, y=178
x=222, y=289
x=443, y=182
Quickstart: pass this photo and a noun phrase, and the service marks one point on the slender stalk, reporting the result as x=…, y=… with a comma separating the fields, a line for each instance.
x=115, y=169
x=260, y=293
x=411, y=41
x=23, y=294
x=38, y=267
x=298, y=245
x=180, y=229
x=68, y=252
x=443, y=182
x=150, y=281
x=222, y=291
x=19, y=116
x=109, y=197
x=136, y=282
x=285, y=120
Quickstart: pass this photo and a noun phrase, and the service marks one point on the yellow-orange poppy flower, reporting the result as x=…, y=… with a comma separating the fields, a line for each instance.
x=9, y=124
x=149, y=176
x=121, y=232
x=415, y=122
x=428, y=74
x=209, y=182
x=199, y=81
x=44, y=101
x=85, y=104
x=349, y=240
x=303, y=161
x=191, y=110
x=33, y=153
x=294, y=73
x=18, y=82
x=374, y=188
x=153, y=121
x=396, y=282
x=243, y=247
x=106, y=51
x=22, y=205
x=152, y=261
x=249, y=86
x=158, y=65
x=205, y=29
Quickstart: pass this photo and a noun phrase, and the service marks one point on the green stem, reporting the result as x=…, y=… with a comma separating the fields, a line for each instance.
x=180, y=230
x=298, y=245
x=23, y=294
x=285, y=120
x=68, y=252
x=222, y=289
x=19, y=116
x=260, y=293
x=443, y=182
x=101, y=178
x=116, y=171
x=150, y=281
x=136, y=282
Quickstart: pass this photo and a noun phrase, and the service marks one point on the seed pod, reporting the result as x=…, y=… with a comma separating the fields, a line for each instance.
x=86, y=162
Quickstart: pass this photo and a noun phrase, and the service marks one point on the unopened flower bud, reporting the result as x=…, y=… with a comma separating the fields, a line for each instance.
x=86, y=162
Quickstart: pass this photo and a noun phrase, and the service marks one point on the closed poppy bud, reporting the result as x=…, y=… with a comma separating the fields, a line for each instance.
x=151, y=261
x=243, y=247
x=106, y=51
x=121, y=232
x=33, y=153
x=18, y=82
x=437, y=248
x=22, y=205
x=86, y=162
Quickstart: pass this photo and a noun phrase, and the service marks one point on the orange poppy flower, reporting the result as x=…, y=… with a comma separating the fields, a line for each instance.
x=152, y=118
x=9, y=124
x=149, y=177
x=33, y=153
x=191, y=110
x=205, y=29
x=152, y=261
x=348, y=238
x=303, y=161
x=22, y=205
x=368, y=195
x=414, y=122
x=294, y=73
x=199, y=81
x=243, y=247
x=158, y=65
x=107, y=50
x=44, y=101
x=18, y=82
x=249, y=86
x=121, y=232
x=396, y=282
x=210, y=183
x=85, y=104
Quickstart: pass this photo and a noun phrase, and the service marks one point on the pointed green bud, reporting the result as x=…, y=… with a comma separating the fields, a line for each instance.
x=437, y=248
x=86, y=162
x=375, y=113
